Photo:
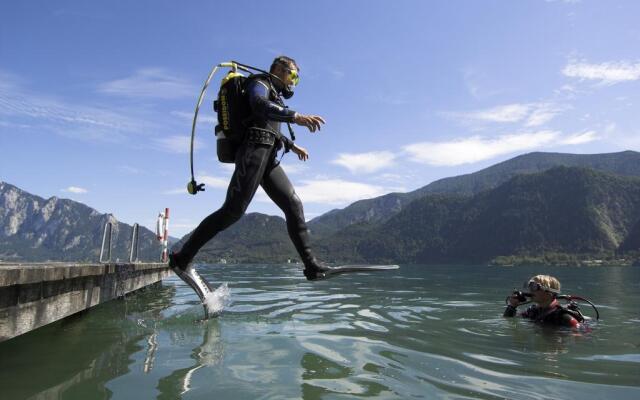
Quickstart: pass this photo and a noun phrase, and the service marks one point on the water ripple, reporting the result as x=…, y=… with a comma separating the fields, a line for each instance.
x=419, y=332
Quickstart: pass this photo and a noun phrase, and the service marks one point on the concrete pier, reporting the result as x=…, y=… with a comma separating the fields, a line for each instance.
x=36, y=294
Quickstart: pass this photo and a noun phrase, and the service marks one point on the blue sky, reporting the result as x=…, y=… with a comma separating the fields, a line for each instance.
x=96, y=98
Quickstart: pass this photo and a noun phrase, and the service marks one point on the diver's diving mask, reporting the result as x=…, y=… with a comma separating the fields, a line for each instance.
x=287, y=90
x=534, y=286
x=294, y=76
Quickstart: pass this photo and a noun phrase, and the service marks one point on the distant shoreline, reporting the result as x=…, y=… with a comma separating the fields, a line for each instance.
x=548, y=260
x=566, y=260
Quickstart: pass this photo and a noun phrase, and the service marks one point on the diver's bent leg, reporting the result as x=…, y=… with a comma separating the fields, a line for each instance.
x=278, y=187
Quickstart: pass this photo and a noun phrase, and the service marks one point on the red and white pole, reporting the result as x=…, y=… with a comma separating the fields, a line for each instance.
x=165, y=236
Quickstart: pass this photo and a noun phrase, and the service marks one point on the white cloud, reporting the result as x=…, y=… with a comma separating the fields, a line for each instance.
x=396, y=179
x=12, y=125
x=75, y=189
x=331, y=191
x=208, y=180
x=150, y=82
x=179, y=144
x=543, y=113
x=294, y=169
x=57, y=111
x=568, y=92
x=365, y=162
x=506, y=113
x=309, y=216
x=214, y=181
x=336, y=191
x=531, y=114
x=477, y=148
x=261, y=196
x=566, y=88
x=607, y=73
x=229, y=167
x=580, y=138
x=175, y=191
x=202, y=117
x=78, y=121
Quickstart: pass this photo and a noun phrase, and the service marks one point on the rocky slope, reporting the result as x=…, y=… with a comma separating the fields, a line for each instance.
x=37, y=229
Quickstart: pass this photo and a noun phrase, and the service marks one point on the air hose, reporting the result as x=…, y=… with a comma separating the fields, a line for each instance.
x=193, y=187
x=571, y=298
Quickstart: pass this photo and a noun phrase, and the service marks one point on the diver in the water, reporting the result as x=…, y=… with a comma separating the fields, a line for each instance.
x=256, y=164
x=543, y=291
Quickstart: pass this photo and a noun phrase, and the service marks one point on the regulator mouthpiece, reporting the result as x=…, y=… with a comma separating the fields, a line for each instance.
x=193, y=187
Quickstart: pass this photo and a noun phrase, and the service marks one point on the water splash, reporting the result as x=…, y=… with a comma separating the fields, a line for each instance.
x=218, y=300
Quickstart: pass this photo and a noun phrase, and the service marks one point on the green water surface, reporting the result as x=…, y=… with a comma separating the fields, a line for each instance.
x=418, y=332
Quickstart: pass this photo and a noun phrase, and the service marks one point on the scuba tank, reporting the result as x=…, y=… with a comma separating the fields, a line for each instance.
x=233, y=111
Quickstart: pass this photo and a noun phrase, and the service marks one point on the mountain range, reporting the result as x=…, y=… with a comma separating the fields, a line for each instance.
x=563, y=210
x=388, y=228
x=36, y=229
x=565, y=205
x=379, y=209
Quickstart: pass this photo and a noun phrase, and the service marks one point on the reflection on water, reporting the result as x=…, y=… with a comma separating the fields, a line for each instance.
x=152, y=342
x=417, y=332
x=208, y=353
x=76, y=357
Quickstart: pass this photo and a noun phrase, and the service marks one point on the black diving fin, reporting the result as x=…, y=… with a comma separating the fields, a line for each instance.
x=329, y=272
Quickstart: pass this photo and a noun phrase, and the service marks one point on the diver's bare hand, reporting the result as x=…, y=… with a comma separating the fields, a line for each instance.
x=312, y=122
x=301, y=152
x=514, y=301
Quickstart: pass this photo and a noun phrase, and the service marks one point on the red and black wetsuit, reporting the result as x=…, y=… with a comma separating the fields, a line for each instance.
x=555, y=314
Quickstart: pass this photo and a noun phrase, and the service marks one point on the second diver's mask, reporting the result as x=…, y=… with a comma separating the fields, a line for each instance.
x=533, y=286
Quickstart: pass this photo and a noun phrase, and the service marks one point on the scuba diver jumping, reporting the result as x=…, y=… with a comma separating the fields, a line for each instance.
x=254, y=153
x=544, y=291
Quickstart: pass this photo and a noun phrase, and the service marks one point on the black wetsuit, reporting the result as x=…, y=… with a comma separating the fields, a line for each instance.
x=555, y=314
x=256, y=164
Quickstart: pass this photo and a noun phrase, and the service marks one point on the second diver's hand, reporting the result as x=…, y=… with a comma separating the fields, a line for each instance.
x=312, y=122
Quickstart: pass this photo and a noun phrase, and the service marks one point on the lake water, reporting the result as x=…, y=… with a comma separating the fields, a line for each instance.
x=418, y=332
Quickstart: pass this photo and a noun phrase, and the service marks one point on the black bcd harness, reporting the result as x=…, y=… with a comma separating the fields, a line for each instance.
x=235, y=115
